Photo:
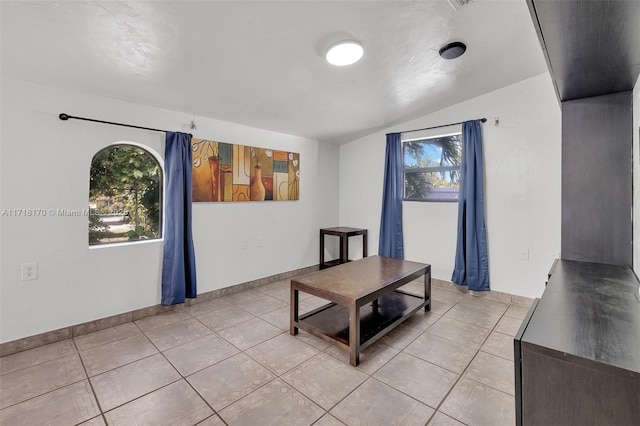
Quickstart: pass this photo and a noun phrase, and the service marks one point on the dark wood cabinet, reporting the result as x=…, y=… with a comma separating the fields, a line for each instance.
x=343, y=233
x=577, y=353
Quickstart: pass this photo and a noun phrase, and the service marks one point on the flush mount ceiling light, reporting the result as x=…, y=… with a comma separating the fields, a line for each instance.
x=344, y=53
x=453, y=50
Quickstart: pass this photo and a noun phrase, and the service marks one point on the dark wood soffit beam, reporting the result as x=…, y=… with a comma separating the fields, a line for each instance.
x=591, y=47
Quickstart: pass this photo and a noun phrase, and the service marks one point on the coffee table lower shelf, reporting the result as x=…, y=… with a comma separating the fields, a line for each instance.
x=331, y=322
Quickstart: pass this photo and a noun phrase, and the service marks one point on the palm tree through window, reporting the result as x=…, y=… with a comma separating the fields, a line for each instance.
x=432, y=168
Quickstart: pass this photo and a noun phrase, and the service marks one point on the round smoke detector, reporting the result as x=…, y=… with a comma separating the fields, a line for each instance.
x=453, y=50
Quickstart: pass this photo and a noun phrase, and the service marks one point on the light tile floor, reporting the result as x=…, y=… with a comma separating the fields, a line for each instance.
x=232, y=361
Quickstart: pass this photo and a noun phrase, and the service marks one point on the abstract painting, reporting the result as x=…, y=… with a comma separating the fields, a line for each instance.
x=230, y=172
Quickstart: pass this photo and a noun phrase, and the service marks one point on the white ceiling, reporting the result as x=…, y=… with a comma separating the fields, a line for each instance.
x=261, y=63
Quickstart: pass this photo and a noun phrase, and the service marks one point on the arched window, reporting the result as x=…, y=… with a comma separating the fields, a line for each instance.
x=125, y=195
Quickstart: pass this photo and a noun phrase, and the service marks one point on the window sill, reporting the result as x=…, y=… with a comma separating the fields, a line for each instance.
x=125, y=244
x=429, y=201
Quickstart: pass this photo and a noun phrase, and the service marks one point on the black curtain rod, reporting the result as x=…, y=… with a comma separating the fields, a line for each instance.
x=482, y=120
x=65, y=117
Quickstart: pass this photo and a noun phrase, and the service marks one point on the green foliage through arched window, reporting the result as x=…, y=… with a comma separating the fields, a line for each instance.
x=125, y=195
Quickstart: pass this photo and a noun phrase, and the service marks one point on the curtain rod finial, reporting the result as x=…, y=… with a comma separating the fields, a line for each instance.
x=63, y=116
x=483, y=120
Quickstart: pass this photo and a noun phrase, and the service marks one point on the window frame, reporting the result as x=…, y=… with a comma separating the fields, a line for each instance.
x=436, y=169
x=161, y=189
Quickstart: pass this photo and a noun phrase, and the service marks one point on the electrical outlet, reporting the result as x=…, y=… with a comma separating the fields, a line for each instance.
x=29, y=271
x=524, y=254
x=244, y=245
x=259, y=241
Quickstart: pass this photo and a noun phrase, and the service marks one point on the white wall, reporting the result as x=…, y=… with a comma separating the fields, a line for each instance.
x=636, y=177
x=523, y=172
x=45, y=165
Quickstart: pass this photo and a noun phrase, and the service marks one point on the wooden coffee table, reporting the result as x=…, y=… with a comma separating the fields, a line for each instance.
x=365, y=301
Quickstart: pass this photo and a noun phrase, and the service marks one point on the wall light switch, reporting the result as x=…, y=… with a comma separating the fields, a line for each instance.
x=524, y=254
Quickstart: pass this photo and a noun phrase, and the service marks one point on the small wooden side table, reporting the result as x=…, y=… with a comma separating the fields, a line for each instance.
x=344, y=233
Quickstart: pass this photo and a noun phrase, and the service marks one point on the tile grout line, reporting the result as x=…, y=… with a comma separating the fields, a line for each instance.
x=117, y=340
x=436, y=409
x=298, y=390
x=105, y=343
x=444, y=398
x=214, y=333
x=45, y=393
x=213, y=415
x=39, y=363
x=143, y=395
x=240, y=351
x=130, y=363
x=181, y=378
x=467, y=367
x=124, y=365
x=95, y=395
x=371, y=376
x=280, y=377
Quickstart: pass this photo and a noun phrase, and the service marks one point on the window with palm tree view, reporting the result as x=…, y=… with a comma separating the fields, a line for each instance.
x=125, y=194
x=432, y=168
